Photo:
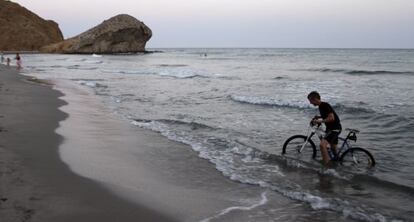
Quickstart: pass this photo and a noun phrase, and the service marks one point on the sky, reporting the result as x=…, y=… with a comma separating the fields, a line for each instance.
x=246, y=23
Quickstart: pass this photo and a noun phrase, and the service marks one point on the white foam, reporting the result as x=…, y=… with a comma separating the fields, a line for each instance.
x=262, y=202
x=263, y=100
x=334, y=173
x=93, y=61
x=224, y=161
x=88, y=83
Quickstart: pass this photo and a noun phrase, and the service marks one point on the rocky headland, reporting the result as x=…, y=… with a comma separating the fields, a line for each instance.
x=119, y=34
x=22, y=30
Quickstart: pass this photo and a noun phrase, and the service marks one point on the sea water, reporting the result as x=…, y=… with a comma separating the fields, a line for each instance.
x=236, y=107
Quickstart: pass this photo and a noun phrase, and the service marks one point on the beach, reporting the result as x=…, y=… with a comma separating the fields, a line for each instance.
x=35, y=184
x=44, y=131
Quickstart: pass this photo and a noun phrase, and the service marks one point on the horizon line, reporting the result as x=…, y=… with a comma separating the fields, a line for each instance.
x=248, y=47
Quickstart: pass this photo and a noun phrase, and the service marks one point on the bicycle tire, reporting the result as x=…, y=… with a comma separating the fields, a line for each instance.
x=296, y=142
x=357, y=157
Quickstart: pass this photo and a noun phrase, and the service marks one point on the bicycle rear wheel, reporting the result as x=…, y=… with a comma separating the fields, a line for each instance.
x=292, y=148
x=357, y=158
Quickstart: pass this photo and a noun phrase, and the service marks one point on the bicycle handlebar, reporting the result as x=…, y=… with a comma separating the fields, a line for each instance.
x=314, y=118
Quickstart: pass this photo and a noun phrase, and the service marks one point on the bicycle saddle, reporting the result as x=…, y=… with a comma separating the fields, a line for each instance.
x=352, y=130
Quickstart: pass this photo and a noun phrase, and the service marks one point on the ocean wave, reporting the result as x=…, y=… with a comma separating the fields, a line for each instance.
x=378, y=72
x=172, y=65
x=93, y=61
x=296, y=104
x=143, y=72
x=91, y=84
x=279, y=77
x=181, y=74
x=361, y=72
x=73, y=67
x=88, y=68
x=270, y=55
x=190, y=125
x=266, y=101
x=219, y=59
x=83, y=79
x=79, y=67
x=221, y=76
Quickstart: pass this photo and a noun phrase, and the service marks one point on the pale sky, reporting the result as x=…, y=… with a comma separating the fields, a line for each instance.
x=247, y=23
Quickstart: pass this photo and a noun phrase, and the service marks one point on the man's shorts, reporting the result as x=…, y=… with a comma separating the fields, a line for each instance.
x=332, y=136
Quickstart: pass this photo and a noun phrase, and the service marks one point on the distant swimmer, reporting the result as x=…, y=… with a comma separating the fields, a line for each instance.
x=8, y=61
x=2, y=57
x=18, y=61
x=332, y=123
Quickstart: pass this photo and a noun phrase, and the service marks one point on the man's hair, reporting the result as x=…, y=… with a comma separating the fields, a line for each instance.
x=314, y=95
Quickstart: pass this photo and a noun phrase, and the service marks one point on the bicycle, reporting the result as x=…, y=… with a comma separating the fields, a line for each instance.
x=301, y=147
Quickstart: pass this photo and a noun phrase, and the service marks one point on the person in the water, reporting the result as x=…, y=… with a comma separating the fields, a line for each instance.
x=332, y=123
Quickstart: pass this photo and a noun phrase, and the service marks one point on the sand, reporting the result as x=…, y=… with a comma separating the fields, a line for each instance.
x=35, y=185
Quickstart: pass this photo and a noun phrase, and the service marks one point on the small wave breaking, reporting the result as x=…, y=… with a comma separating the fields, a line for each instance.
x=245, y=165
x=294, y=104
x=179, y=74
x=172, y=65
x=90, y=83
x=361, y=72
x=266, y=101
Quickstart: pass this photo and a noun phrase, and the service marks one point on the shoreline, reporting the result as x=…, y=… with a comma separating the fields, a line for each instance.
x=64, y=158
x=143, y=166
x=35, y=184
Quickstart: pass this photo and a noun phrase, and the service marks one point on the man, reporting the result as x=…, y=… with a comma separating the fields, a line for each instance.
x=332, y=122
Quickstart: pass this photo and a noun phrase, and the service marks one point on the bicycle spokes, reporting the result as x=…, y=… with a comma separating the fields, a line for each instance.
x=299, y=148
x=357, y=158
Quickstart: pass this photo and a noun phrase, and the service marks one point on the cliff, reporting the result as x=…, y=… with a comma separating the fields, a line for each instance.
x=22, y=30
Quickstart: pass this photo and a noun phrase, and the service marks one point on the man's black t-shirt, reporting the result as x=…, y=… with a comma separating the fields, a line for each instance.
x=325, y=109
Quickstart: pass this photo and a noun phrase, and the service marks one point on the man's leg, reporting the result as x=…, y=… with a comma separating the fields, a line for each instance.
x=324, y=151
x=332, y=139
x=333, y=147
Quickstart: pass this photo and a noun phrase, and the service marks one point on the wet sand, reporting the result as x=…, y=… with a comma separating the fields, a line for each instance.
x=141, y=165
x=35, y=185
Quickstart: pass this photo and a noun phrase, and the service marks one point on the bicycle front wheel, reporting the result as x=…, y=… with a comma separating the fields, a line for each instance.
x=297, y=147
x=357, y=158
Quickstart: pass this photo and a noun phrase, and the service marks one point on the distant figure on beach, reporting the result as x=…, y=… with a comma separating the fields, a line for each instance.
x=332, y=123
x=18, y=61
x=8, y=61
x=2, y=57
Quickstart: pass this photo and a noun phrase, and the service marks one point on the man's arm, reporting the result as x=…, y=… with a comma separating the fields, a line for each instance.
x=329, y=119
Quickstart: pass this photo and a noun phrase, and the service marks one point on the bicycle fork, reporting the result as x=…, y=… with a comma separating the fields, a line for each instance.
x=309, y=135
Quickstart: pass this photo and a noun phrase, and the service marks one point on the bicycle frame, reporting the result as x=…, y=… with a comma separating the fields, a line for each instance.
x=312, y=130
